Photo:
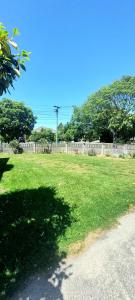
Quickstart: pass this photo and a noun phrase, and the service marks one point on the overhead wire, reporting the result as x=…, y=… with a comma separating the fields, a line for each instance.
x=46, y=113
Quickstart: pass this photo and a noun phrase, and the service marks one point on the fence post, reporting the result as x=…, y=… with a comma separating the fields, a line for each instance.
x=83, y=148
x=125, y=149
x=66, y=148
x=102, y=149
x=34, y=147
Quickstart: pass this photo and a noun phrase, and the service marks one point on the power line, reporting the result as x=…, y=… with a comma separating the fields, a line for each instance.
x=48, y=114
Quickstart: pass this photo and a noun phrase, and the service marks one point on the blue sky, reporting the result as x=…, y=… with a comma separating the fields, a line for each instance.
x=77, y=46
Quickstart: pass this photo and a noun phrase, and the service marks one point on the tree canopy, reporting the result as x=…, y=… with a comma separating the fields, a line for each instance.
x=108, y=114
x=16, y=120
x=12, y=59
x=44, y=135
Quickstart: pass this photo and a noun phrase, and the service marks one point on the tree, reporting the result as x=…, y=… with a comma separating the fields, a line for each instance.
x=113, y=109
x=80, y=127
x=109, y=113
x=61, y=132
x=16, y=120
x=44, y=135
x=11, y=61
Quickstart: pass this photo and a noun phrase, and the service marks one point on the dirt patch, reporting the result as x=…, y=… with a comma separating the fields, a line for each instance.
x=131, y=208
x=78, y=247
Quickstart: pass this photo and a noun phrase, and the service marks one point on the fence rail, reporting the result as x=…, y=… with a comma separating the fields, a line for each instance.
x=76, y=148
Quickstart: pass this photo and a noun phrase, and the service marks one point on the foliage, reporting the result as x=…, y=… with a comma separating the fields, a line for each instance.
x=91, y=152
x=15, y=145
x=79, y=124
x=132, y=155
x=66, y=132
x=108, y=114
x=69, y=134
x=11, y=62
x=16, y=120
x=122, y=156
x=1, y=138
x=45, y=135
x=61, y=132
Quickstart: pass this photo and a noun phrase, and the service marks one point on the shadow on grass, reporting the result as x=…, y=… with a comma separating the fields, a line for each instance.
x=3, y=166
x=31, y=221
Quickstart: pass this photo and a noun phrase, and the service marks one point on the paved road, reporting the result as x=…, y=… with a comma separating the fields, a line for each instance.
x=106, y=270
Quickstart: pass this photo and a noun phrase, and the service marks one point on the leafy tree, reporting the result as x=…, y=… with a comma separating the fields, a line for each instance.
x=16, y=120
x=69, y=135
x=109, y=113
x=12, y=60
x=45, y=135
x=66, y=132
x=80, y=127
x=112, y=109
x=61, y=132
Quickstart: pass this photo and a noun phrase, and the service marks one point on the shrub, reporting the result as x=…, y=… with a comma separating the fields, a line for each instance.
x=122, y=156
x=132, y=155
x=46, y=150
x=91, y=152
x=17, y=149
x=108, y=154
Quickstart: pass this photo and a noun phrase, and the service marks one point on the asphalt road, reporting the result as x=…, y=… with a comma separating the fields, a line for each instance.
x=106, y=270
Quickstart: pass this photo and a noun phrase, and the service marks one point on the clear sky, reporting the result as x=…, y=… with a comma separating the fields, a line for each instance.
x=77, y=46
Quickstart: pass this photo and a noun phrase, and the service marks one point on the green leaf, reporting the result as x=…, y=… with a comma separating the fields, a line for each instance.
x=15, y=32
x=23, y=67
x=25, y=53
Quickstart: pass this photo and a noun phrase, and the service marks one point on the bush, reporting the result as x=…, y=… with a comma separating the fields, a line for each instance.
x=46, y=150
x=42, y=141
x=122, y=156
x=17, y=149
x=91, y=152
x=132, y=155
x=107, y=154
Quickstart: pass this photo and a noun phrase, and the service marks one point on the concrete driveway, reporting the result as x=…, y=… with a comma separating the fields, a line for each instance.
x=106, y=270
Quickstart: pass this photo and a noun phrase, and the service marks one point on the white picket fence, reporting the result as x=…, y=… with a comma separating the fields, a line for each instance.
x=95, y=148
x=76, y=148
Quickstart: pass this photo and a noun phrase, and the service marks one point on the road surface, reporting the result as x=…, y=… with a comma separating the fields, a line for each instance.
x=105, y=270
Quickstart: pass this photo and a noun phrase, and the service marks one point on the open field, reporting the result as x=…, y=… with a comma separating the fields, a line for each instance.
x=49, y=202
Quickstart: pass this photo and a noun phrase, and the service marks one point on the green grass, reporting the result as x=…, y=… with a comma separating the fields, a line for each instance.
x=48, y=202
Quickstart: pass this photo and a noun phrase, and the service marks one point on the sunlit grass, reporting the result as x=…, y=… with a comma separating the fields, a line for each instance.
x=99, y=189
x=49, y=202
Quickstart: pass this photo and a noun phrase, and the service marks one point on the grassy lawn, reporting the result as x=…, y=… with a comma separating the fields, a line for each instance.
x=48, y=202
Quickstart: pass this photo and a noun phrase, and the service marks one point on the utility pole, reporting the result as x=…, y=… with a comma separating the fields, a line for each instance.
x=57, y=112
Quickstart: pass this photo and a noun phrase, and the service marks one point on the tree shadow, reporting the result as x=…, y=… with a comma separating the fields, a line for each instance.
x=3, y=166
x=45, y=286
x=31, y=221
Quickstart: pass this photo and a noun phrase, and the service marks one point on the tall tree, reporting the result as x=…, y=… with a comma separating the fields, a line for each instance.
x=112, y=109
x=109, y=113
x=12, y=60
x=61, y=132
x=16, y=120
